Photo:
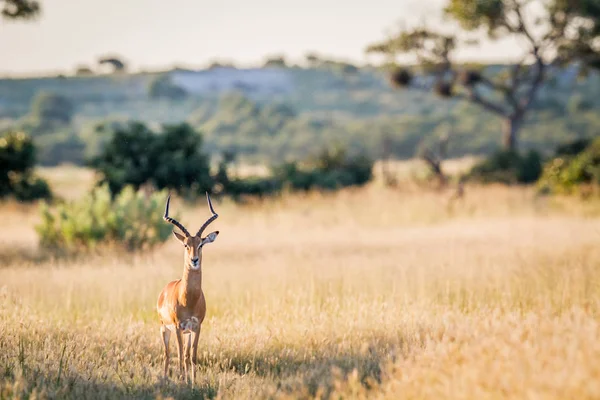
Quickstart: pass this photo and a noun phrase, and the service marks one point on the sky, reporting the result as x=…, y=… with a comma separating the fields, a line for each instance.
x=160, y=34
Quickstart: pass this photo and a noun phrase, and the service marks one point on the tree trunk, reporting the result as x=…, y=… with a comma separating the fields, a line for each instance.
x=510, y=132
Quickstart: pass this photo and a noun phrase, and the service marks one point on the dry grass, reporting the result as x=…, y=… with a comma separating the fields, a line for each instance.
x=368, y=293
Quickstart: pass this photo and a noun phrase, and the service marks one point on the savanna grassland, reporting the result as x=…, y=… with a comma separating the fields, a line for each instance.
x=367, y=293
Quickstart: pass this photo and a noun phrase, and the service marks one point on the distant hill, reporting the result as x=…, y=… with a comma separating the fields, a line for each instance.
x=276, y=113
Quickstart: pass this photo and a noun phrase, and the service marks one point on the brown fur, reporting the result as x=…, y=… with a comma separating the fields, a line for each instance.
x=181, y=304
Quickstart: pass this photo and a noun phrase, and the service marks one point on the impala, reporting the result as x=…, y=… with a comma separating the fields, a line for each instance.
x=181, y=305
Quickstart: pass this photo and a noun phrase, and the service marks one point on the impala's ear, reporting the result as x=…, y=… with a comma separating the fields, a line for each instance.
x=210, y=237
x=179, y=237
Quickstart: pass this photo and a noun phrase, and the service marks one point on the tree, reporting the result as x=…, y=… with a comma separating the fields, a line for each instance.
x=556, y=32
x=172, y=159
x=20, y=9
x=17, y=160
x=117, y=64
x=276, y=61
x=83, y=70
x=49, y=109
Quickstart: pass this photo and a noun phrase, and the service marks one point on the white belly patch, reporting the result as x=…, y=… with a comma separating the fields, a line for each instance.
x=189, y=325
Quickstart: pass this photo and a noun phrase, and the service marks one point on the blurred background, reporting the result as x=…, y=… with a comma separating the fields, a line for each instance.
x=277, y=88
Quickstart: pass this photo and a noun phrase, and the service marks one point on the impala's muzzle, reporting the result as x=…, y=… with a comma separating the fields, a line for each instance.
x=194, y=263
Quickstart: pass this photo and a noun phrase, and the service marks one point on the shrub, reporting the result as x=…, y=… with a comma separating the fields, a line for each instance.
x=572, y=148
x=507, y=166
x=252, y=186
x=172, y=159
x=240, y=187
x=17, y=159
x=332, y=169
x=130, y=221
x=570, y=170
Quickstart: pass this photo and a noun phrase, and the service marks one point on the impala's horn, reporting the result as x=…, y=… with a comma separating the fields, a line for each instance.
x=173, y=221
x=211, y=219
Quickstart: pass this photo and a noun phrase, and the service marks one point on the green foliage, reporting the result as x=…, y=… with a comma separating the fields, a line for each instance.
x=252, y=186
x=28, y=187
x=164, y=87
x=332, y=169
x=20, y=9
x=431, y=48
x=117, y=64
x=17, y=159
x=130, y=221
x=508, y=167
x=571, y=169
x=472, y=14
x=572, y=148
x=170, y=159
x=324, y=106
x=557, y=32
x=276, y=61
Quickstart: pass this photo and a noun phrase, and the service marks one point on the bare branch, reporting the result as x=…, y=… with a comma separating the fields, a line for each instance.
x=523, y=28
x=474, y=97
x=535, y=85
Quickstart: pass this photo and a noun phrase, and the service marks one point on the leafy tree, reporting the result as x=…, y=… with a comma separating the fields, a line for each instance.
x=17, y=159
x=312, y=59
x=83, y=70
x=556, y=32
x=275, y=61
x=20, y=9
x=117, y=64
x=172, y=159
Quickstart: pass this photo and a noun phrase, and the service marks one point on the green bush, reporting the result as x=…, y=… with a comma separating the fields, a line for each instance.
x=332, y=169
x=572, y=148
x=17, y=159
x=172, y=159
x=507, y=166
x=568, y=172
x=130, y=221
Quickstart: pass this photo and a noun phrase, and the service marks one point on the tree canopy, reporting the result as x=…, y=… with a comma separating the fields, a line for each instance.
x=20, y=9
x=557, y=32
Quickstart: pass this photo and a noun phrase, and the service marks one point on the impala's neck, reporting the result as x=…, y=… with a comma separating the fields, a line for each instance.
x=191, y=284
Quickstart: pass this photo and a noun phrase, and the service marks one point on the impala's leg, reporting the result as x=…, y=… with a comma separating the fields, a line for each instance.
x=180, y=349
x=166, y=334
x=196, y=334
x=188, y=345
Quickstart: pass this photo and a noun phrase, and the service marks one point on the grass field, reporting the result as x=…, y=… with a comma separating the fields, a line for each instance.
x=368, y=293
